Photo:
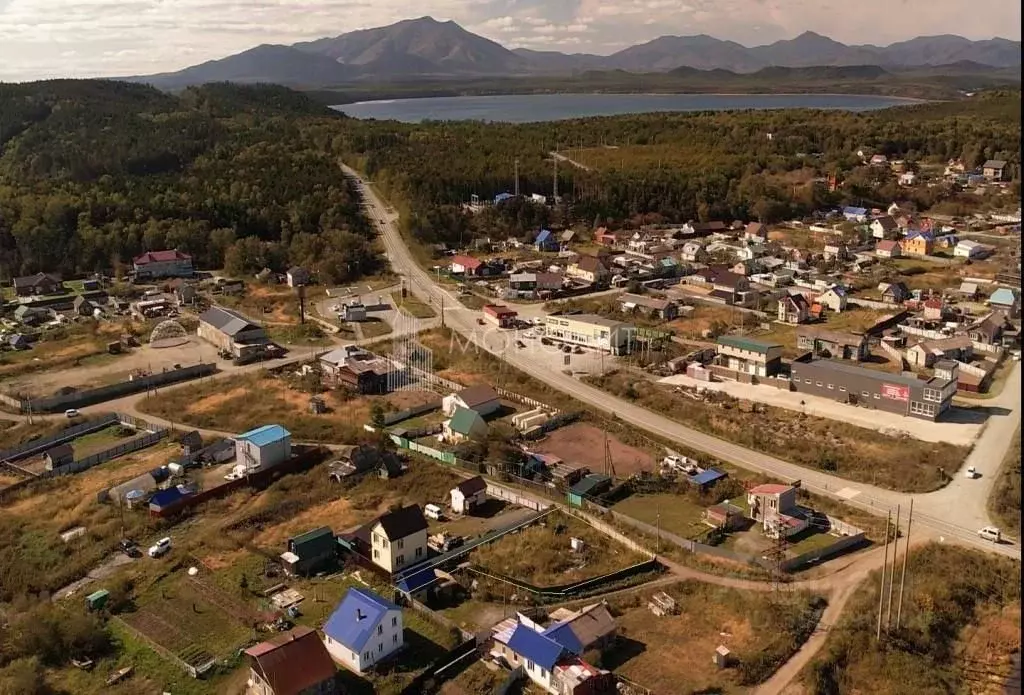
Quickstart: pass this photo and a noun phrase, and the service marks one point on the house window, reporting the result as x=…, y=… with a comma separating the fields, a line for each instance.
x=384, y=542
x=394, y=638
x=843, y=389
x=376, y=554
x=380, y=647
x=380, y=629
x=543, y=673
x=818, y=384
x=400, y=543
x=529, y=665
x=807, y=381
x=376, y=539
x=419, y=552
x=865, y=394
x=366, y=656
x=354, y=657
x=394, y=621
x=876, y=396
x=400, y=560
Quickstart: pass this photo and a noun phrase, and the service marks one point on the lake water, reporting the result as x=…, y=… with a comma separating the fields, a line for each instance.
x=525, y=108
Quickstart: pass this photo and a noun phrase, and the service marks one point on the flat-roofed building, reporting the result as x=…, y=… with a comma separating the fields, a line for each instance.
x=592, y=331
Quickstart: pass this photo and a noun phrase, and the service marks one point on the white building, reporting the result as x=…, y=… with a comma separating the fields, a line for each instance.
x=468, y=494
x=970, y=250
x=481, y=398
x=263, y=447
x=363, y=630
x=396, y=540
x=592, y=331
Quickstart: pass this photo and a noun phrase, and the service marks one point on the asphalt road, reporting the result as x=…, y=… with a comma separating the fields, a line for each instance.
x=954, y=513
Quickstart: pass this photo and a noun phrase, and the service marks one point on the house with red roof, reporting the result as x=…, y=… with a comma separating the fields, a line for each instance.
x=170, y=263
x=774, y=506
x=292, y=663
x=466, y=265
x=887, y=248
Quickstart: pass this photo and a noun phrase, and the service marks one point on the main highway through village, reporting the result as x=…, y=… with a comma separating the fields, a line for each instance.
x=954, y=513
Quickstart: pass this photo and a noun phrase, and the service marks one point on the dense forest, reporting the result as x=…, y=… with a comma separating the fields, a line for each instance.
x=93, y=173
x=671, y=167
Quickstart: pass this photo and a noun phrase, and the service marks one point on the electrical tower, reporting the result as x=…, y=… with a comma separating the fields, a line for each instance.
x=609, y=465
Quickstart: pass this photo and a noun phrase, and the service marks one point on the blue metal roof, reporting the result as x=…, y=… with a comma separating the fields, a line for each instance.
x=167, y=497
x=855, y=211
x=502, y=197
x=543, y=235
x=563, y=634
x=268, y=434
x=416, y=581
x=535, y=647
x=1004, y=296
x=354, y=620
x=708, y=476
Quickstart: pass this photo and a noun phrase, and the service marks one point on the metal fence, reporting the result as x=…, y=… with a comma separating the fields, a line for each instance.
x=37, y=446
x=113, y=452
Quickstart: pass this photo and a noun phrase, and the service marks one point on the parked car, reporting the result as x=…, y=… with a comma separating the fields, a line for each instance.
x=520, y=344
x=971, y=473
x=578, y=350
x=129, y=548
x=545, y=341
x=162, y=547
x=991, y=533
x=566, y=348
x=71, y=413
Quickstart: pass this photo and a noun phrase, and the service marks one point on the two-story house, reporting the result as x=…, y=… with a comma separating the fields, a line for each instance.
x=169, y=263
x=693, y=252
x=774, y=506
x=589, y=269
x=834, y=298
x=919, y=243
x=395, y=540
x=363, y=630
x=794, y=308
x=885, y=227
x=749, y=356
x=822, y=342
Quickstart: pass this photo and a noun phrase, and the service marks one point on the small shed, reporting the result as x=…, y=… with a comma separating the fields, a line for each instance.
x=191, y=442
x=706, y=478
x=310, y=552
x=97, y=599
x=58, y=456
x=591, y=486
x=722, y=656
x=468, y=494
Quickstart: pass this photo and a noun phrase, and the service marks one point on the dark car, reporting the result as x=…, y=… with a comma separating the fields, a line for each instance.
x=129, y=548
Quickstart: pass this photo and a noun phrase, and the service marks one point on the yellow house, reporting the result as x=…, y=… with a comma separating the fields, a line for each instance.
x=588, y=269
x=398, y=539
x=919, y=244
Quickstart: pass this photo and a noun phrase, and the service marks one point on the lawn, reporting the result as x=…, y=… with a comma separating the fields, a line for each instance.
x=541, y=554
x=673, y=654
x=674, y=513
x=412, y=306
x=1004, y=504
x=309, y=333
x=101, y=440
x=897, y=463
x=960, y=625
x=228, y=404
x=854, y=320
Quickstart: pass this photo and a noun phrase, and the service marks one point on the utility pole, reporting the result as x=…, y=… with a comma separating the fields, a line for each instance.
x=892, y=572
x=554, y=200
x=517, y=177
x=903, y=574
x=881, y=590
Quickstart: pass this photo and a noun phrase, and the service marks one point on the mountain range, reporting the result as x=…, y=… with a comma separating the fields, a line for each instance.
x=429, y=48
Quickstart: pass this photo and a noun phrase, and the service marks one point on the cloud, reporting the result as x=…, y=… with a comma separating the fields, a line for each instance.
x=78, y=38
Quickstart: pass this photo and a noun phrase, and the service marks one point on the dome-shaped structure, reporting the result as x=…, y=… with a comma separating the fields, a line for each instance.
x=167, y=330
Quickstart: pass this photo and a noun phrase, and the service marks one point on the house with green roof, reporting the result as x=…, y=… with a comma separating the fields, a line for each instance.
x=464, y=424
x=747, y=356
x=310, y=552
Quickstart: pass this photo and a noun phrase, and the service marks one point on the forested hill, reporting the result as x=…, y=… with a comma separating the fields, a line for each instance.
x=94, y=172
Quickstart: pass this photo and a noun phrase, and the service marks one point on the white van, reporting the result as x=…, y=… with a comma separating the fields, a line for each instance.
x=432, y=511
x=991, y=533
x=162, y=546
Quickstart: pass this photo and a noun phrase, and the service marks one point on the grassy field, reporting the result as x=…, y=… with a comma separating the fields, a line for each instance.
x=309, y=333
x=228, y=404
x=852, y=321
x=674, y=513
x=1004, y=504
x=101, y=440
x=270, y=303
x=412, y=306
x=673, y=654
x=960, y=624
x=374, y=328
x=541, y=554
x=897, y=463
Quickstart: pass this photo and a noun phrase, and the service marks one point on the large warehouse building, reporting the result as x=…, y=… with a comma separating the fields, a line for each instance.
x=900, y=394
x=592, y=331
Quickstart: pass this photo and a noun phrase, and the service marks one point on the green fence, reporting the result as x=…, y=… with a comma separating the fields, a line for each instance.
x=443, y=456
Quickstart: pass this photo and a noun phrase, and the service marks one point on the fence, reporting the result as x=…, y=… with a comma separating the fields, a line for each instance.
x=80, y=399
x=194, y=671
x=512, y=396
x=443, y=456
x=553, y=423
x=444, y=667
x=561, y=592
x=99, y=457
x=814, y=556
x=517, y=498
x=870, y=303
x=42, y=444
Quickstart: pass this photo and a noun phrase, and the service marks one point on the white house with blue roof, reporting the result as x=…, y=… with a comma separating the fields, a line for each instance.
x=546, y=241
x=263, y=447
x=363, y=630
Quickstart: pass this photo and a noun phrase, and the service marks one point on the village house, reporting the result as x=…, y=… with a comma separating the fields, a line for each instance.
x=593, y=626
x=918, y=243
x=832, y=344
x=894, y=292
x=468, y=495
x=664, y=309
x=480, y=398
x=38, y=284
x=726, y=285
x=82, y=307
x=589, y=269
x=466, y=265
x=834, y=298
x=878, y=160
x=549, y=658
x=546, y=241
x=907, y=178
x=693, y=252
x=990, y=329
x=310, y=552
x=888, y=248
x=970, y=250
x=748, y=356
x=794, y=308
x=263, y=447
x=498, y=315
x=884, y=227
x=231, y=332
x=30, y=315
x=854, y=214
x=464, y=425
x=364, y=630
x=836, y=250
x=186, y=294
x=933, y=309
x=640, y=242
x=295, y=662
x=1006, y=299
x=360, y=372
x=925, y=353
x=755, y=231
x=169, y=263
x=774, y=506
x=994, y=169
x=19, y=341
x=297, y=276
x=604, y=237
x=394, y=541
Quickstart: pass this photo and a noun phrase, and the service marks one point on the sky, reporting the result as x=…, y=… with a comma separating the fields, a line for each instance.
x=92, y=38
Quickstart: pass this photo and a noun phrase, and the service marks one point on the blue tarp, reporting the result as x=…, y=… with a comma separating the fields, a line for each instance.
x=707, y=477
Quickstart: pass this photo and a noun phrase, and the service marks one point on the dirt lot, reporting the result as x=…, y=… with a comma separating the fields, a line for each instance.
x=229, y=405
x=583, y=444
x=673, y=654
x=705, y=316
x=541, y=554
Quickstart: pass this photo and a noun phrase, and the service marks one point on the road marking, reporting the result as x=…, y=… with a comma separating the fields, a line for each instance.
x=848, y=493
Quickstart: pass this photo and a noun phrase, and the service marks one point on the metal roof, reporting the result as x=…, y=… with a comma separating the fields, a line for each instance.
x=741, y=343
x=535, y=647
x=356, y=618
x=708, y=476
x=463, y=420
x=563, y=634
x=226, y=321
x=268, y=434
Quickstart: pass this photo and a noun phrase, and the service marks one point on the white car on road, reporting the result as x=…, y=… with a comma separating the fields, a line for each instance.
x=991, y=533
x=971, y=473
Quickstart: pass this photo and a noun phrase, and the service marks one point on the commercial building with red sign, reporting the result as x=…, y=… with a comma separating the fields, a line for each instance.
x=900, y=394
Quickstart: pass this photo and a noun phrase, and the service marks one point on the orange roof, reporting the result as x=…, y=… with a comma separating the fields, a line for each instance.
x=770, y=489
